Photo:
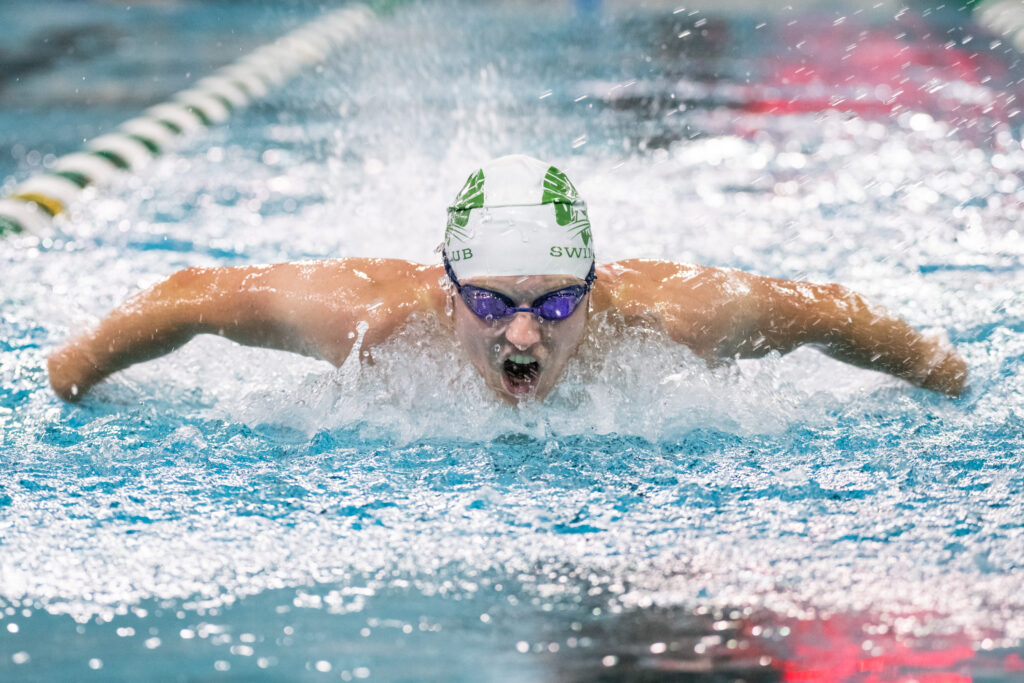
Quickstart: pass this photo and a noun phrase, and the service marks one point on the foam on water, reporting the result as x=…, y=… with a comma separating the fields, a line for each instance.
x=221, y=473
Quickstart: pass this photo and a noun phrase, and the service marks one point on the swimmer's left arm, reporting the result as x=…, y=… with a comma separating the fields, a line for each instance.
x=723, y=313
x=783, y=315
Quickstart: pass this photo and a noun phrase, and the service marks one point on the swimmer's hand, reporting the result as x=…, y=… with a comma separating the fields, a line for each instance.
x=941, y=368
x=144, y=328
x=149, y=325
x=72, y=372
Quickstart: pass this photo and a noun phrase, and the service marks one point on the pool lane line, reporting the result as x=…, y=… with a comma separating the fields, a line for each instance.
x=210, y=101
x=1004, y=18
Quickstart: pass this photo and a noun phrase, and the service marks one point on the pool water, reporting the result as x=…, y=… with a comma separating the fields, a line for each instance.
x=228, y=513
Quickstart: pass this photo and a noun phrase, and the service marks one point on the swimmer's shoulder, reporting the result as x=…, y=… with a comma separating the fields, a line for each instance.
x=633, y=286
x=696, y=305
x=402, y=282
x=639, y=269
x=397, y=285
x=375, y=269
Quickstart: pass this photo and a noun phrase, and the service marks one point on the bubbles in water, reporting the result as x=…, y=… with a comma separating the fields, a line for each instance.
x=793, y=483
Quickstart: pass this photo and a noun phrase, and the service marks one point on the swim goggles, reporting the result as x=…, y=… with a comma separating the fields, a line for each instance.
x=490, y=305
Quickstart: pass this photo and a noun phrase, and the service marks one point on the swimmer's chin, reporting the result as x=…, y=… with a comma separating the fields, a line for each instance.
x=519, y=395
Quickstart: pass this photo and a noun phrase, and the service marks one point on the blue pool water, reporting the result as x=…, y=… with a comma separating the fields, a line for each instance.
x=228, y=513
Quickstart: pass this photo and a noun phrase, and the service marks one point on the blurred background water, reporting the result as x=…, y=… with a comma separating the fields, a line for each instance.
x=234, y=513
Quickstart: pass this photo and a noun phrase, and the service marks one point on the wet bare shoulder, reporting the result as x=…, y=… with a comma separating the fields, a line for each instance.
x=699, y=306
x=325, y=301
x=358, y=282
x=636, y=286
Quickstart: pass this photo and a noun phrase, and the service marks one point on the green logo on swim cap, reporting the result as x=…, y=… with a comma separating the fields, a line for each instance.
x=470, y=197
x=569, y=210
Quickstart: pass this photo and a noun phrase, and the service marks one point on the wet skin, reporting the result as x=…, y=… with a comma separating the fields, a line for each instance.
x=491, y=344
x=317, y=308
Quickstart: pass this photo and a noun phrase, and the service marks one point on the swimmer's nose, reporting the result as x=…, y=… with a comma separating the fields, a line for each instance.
x=523, y=331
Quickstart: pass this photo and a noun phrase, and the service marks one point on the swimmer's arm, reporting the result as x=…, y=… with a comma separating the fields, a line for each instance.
x=723, y=313
x=784, y=315
x=310, y=308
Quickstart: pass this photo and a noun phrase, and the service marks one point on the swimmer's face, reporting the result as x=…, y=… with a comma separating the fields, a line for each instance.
x=521, y=355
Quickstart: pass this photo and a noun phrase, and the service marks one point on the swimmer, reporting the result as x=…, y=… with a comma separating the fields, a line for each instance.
x=517, y=289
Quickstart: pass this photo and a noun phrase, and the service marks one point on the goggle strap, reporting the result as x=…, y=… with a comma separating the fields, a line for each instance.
x=451, y=273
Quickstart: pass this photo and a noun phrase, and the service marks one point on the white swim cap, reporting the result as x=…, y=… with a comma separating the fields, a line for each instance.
x=518, y=216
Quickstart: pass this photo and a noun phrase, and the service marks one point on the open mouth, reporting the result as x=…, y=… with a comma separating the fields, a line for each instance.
x=520, y=373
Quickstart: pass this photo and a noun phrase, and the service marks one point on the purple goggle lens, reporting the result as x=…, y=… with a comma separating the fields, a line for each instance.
x=491, y=305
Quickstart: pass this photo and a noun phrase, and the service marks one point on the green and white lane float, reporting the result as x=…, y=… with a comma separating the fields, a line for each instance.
x=210, y=101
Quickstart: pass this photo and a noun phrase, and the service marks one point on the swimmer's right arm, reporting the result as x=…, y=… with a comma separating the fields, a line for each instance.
x=311, y=308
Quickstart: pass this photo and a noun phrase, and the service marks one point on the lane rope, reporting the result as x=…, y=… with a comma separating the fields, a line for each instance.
x=210, y=101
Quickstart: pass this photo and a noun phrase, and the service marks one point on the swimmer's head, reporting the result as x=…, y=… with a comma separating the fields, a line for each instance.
x=518, y=250
x=518, y=216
